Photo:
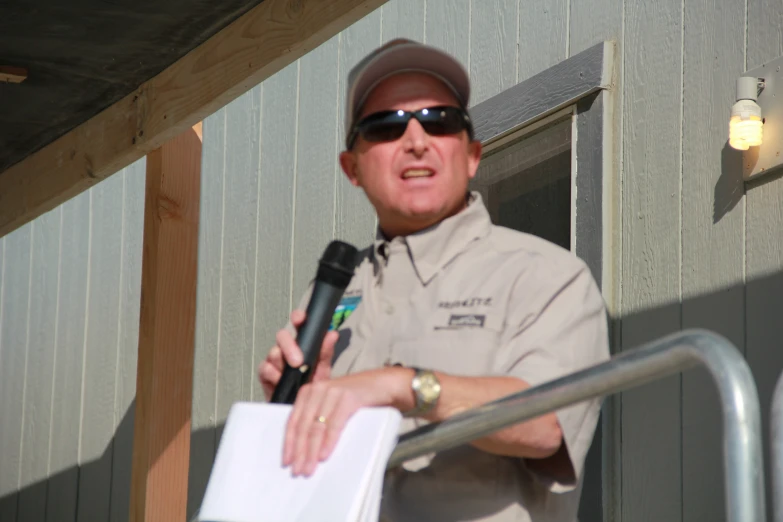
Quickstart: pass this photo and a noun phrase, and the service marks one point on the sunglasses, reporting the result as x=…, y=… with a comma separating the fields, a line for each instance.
x=390, y=125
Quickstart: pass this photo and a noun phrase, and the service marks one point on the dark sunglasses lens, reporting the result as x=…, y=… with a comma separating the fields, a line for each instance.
x=442, y=121
x=386, y=128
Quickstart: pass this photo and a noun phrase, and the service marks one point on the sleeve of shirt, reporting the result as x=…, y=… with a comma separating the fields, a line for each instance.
x=557, y=325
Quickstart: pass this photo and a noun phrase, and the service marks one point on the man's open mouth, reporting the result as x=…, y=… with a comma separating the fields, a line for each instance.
x=417, y=173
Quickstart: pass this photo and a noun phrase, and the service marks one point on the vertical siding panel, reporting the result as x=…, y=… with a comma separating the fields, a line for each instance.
x=40, y=364
x=594, y=22
x=316, y=158
x=235, y=370
x=128, y=347
x=403, y=19
x=355, y=216
x=275, y=207
x=448, y=26
x=651, y=438
x=764, y=246
x=15, y=308
x=493, y=48
x=202, y=441
x=543, y=36
x=712, y=236
x=100, y=362
x=66, y=408
x=6, y=498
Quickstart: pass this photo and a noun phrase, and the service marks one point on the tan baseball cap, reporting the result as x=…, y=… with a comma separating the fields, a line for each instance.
x=397, y=56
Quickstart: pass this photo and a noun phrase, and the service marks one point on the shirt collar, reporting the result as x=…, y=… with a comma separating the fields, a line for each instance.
x=434, y=247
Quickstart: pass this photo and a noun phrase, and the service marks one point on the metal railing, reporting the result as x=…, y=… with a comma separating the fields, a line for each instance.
x=776, y=450
x=742, y=440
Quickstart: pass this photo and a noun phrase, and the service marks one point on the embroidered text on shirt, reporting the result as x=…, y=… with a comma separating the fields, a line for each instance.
x=467, y=303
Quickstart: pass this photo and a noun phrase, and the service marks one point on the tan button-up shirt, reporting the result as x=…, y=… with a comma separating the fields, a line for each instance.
x=469, y=298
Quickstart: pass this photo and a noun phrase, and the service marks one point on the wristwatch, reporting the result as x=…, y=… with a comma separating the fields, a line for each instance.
x=426, y=388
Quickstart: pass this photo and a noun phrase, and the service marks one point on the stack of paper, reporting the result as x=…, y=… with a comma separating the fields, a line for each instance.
x=249, y=484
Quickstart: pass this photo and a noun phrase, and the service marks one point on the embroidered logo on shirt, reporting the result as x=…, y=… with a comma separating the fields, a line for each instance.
x=467, y=320
x=344, y=310
x=462, y=321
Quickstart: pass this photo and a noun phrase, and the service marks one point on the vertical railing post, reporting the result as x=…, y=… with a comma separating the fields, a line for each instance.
x=776, y=446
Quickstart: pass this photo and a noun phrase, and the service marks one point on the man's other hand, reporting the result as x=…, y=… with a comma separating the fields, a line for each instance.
x=271, y=369
x=322, y=409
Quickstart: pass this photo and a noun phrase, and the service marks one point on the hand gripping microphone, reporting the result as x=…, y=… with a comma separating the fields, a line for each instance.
x=335, y=271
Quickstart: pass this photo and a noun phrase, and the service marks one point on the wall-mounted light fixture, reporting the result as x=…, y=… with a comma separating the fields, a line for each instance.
x=746, y=126
x=756, y=121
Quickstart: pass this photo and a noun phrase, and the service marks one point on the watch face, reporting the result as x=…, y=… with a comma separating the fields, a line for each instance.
x=429, y=387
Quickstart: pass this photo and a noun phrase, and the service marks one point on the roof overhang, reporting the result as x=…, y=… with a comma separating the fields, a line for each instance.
x=94, y=86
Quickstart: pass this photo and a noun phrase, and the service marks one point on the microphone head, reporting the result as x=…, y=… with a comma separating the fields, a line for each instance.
x=339, y=261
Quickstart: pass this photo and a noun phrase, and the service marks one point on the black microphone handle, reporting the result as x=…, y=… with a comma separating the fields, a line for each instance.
x=310, y=336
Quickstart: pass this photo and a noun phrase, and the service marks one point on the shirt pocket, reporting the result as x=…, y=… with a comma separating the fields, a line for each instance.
x=469, y=352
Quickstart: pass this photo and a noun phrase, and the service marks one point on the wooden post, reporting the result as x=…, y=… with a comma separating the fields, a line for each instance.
x=164, y=382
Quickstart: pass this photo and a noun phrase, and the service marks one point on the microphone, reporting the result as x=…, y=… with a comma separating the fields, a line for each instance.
x=335, y=271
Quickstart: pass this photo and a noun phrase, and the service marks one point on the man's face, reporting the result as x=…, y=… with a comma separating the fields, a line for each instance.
x=417, y=180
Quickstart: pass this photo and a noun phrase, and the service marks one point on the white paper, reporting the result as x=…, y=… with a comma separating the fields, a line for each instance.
x=249, y=484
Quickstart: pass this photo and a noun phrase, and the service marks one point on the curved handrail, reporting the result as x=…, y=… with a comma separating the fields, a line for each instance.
x=776, y=450
x=742, y=444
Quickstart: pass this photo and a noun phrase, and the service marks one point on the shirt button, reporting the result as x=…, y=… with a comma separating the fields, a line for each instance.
x=389, y=309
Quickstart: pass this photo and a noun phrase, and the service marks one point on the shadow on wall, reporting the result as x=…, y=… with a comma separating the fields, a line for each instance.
x=98, y=490
x=748, y=315
x=672, y=444
x=730, y=187
x=203, y=445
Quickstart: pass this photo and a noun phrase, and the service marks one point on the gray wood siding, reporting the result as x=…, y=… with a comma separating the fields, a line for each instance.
x=493, y=39
x=240, y=198
x=713, y=235
x=652, y=107
x=13, y=343
x=203, y=443
x=69, y=349
x=763, y=231
x=316, y=167
x=354, y=216
x=39, y=365
x=695, y=246
x=69, y=309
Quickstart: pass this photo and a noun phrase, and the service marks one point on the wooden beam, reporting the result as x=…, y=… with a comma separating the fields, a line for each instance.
x=252, y=48
x=164, y=381
x=10, y=74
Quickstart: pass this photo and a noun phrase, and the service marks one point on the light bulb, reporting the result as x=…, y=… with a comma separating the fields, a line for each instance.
x=745, y=125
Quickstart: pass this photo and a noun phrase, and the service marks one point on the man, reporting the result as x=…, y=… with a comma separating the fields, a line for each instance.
x=452, y=311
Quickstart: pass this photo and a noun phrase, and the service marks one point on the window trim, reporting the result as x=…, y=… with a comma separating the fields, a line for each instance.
x=579, y=85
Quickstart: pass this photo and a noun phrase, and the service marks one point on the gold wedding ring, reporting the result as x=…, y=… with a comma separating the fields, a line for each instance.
x=321, y=419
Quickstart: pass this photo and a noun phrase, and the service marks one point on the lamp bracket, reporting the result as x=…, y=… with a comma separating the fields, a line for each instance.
x=759, y=161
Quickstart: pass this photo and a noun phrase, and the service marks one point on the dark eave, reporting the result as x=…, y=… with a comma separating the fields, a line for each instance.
x=81, y=56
